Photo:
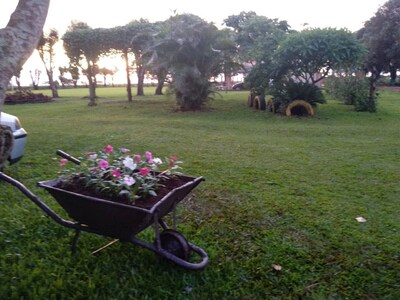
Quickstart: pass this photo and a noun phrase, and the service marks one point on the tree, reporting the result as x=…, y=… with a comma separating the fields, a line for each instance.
x=64, y=81
x=161, y=74
x=73, y=70
x=257, y=37
x=47, y=54
x=105, y=72
x=381, y=36
x=119, y=41
x=141, y=40
x=229, y=61
x=83, y=46
x=310, y=55
x=19, y=38
x=301, y=60
x=35, y=77
x=159, y=70
x=189, y=42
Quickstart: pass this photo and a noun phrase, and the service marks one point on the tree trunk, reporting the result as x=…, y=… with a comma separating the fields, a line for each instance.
x=161, y=76
x=92, y=84
x=54, y=90
x=49, y=72
x=375, y=75
x=228, y=80
x=92, y=91
x=35, y=79
x=140, y=75
x=18, y=81
x=393, y=74
x=128, y=76
x=53, y=87
x=6, y=143
x=19, y=38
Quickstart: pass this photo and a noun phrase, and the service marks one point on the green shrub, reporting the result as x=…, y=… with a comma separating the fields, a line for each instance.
x=368, y=104
x=351, y=90
x=284, y=92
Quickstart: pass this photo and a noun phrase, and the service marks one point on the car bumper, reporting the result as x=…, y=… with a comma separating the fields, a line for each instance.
x=17, y=152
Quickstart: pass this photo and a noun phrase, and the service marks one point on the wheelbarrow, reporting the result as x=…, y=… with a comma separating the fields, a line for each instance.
x=121, y=221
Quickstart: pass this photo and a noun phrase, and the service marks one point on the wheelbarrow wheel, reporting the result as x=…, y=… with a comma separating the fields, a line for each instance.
x=175, y=243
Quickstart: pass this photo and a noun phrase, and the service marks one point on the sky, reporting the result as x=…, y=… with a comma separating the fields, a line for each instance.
x=350, y=14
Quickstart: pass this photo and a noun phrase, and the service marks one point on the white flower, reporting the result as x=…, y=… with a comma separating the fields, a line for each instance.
x=157, y=161
x=128, y=180
x=93, y=156
x=128, y=162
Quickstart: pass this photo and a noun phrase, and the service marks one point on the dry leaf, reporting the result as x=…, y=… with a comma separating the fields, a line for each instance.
x=277, y=268
x=361, y=220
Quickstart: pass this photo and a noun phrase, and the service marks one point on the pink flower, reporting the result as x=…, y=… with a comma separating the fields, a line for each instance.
x=115, y=173
x=108, y=149
x=63, y=162
x=172, y=161
x=149, y=157
x=103, y=164
x=144, y=171
x=137, y=158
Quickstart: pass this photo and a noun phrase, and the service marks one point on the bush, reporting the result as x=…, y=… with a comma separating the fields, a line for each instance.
x=351, y=90
x=347, y=88
x=25, y=96
x=284, y=92
x=368, y=104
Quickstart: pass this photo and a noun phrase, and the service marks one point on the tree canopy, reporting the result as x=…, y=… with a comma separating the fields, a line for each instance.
x=316, y=51
x=381, y=36
x=257, y=37
x=83, y=46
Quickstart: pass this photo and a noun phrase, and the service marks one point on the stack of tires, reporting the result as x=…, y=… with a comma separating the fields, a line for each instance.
x=257, y=102
x=294, y=108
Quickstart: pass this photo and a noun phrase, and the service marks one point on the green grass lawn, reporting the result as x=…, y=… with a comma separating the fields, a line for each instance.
x=278, y=191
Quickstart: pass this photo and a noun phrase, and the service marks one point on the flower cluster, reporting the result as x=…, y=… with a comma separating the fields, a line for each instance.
x=120, y=173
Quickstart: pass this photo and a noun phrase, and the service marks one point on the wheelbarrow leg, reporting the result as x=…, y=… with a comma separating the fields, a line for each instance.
x=162, y=222
x=75, y=240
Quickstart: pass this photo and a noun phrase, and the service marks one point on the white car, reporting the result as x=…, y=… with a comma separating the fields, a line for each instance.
x=19, y=136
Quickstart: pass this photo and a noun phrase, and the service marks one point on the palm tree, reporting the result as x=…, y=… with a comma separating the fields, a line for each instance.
x=187, y=48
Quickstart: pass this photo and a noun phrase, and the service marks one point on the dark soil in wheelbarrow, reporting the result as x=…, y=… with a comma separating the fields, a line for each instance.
x=166, y=185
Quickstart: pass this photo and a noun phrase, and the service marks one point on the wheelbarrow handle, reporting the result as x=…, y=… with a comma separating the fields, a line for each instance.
x=67, y=156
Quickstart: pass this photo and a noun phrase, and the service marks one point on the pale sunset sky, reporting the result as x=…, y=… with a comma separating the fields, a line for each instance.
x=350, y=14
x=103, y=13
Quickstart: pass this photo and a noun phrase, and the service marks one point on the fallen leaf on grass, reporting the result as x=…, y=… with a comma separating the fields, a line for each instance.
x=277, y=268
x=361, y=220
